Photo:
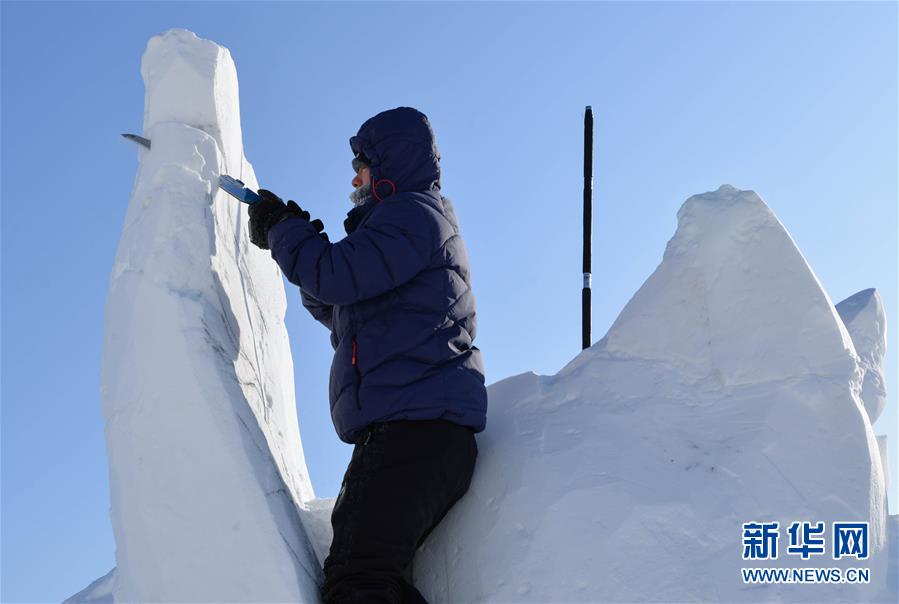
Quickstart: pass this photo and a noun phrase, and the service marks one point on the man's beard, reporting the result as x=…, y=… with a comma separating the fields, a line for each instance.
x=361, y=195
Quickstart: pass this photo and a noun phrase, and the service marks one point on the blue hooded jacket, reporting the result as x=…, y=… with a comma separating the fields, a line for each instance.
x=395, y=292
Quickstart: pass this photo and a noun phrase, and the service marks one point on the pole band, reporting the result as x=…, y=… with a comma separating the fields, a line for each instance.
x=588, y=280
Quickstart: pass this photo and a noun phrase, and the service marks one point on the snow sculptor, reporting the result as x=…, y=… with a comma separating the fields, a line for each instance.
x=407, y=382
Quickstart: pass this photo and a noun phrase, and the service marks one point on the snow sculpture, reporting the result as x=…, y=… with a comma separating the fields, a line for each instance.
x=207, y=474
x=865, y=319
x=729, y=390
x=725, y=392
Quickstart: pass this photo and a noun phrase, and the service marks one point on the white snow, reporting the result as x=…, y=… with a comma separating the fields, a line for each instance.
x=725, y=392
x=207, y=474
x=729, y=390
x=865, y=319
x=98, y=592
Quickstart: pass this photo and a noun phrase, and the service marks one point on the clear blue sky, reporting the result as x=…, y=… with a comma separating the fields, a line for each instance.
x=797, y=101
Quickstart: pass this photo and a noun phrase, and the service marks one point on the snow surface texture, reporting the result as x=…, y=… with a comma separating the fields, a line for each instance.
x=864, y=317
x=207, y=473
x=728, y=390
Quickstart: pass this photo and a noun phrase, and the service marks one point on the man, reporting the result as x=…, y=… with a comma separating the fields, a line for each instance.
x=407, y=382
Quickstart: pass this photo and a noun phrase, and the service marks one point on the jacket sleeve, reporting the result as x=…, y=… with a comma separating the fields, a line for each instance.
x=323, y=313
x=389, y=249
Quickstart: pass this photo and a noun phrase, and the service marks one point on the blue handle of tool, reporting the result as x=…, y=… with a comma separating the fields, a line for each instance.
x=238, y=190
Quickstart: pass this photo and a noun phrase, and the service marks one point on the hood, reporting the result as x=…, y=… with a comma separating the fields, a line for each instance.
x=401, y=147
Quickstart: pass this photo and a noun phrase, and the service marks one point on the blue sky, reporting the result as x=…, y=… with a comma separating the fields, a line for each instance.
x=797, y=101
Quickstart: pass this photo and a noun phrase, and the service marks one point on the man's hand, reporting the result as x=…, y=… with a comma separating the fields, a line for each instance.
x=270, y=211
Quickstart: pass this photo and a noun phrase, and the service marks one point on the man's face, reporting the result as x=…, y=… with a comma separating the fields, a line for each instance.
x=363, y=177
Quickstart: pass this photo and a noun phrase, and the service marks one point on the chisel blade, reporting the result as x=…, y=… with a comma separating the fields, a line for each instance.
x=138, y=139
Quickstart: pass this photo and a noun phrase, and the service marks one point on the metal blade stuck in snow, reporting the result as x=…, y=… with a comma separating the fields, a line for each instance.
x=138, y=139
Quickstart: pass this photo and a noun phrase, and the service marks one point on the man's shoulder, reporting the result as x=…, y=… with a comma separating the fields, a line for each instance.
x=411, y=206
x=430, y=200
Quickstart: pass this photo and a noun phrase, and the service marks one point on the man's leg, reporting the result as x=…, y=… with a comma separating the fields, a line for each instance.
x=397, y=488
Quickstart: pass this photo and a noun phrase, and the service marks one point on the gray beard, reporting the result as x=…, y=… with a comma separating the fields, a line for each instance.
x=361, y=195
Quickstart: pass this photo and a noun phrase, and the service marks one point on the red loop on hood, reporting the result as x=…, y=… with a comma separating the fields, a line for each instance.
x=374, y=187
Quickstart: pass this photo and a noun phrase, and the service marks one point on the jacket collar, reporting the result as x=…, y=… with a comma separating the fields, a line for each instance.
x=355, y=216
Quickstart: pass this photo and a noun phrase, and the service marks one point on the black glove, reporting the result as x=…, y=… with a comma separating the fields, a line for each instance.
x=297, y=210
x=271, y=210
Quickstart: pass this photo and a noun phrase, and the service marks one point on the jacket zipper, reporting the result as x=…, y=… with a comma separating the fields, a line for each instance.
x=358, y=375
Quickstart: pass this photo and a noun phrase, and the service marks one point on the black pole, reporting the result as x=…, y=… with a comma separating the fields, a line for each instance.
x=588, y=226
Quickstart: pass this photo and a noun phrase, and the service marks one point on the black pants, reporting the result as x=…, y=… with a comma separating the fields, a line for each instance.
x=403, y=478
